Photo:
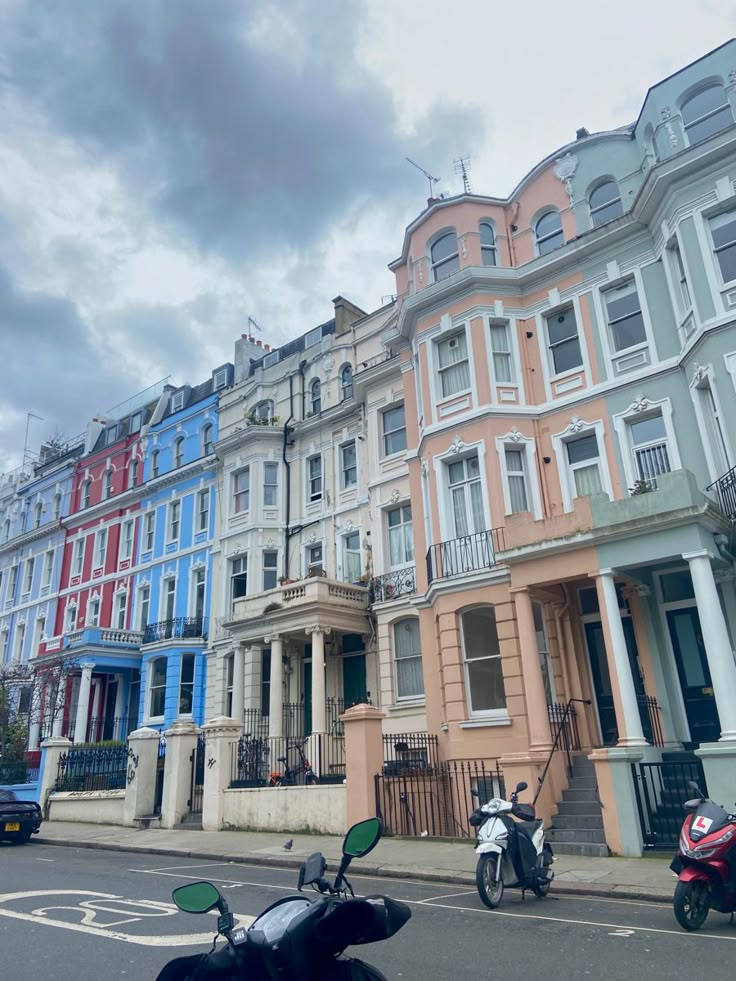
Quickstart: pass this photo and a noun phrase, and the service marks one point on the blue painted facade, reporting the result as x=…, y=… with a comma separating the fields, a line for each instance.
x=174, y=539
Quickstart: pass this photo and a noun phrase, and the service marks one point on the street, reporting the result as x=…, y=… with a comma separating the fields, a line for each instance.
x=82, y=915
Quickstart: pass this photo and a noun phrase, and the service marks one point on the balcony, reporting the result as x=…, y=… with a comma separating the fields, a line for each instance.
x=392, y=585
x=92, y=637
x=725, y=488
x=178, y=628
x=471, y=553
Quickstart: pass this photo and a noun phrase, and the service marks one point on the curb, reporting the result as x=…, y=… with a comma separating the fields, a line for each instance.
x=380, y=871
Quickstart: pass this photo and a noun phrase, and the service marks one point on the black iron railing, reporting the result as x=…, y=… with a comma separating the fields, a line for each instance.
x=197, y=762
x=258, y=761
x=471, y=553
x=409, y=751
x=296, y=721
x=661, y=790
x=651, y=719
x=436, y=800
x=178, y=627
x=107, y=728
x=158, y=795
x=565, y=737
x=93, y=768
x=391, y=585
x=725, y=488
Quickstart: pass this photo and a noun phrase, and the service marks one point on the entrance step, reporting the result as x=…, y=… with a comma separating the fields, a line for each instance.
x=574, y=793
x=577, y=828
x=585, y=808
x=581, y=848
x=576, y=835
x=192, y=822
x=587, y=822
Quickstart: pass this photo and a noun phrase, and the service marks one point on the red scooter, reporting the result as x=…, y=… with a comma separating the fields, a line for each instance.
x=705, y=863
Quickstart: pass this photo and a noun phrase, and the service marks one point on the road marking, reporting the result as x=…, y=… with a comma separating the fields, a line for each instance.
x=88, y=909
x=621, y=933
x=45, y=859
x=449, y=895
x=220, y=879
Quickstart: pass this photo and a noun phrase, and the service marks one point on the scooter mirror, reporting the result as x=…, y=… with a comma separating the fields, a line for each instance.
x=362, y=838
x=521, y=786
x=196, y=897
x=692, y=786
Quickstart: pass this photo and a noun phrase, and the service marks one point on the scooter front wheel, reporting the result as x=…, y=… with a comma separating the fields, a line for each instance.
x=691, y=903
x=490, y=888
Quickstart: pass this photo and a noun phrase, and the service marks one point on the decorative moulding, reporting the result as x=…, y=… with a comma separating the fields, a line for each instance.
x=515, y=436
x=395, y=496
x=457, y=445
x=565, y=168
x=639, y=405
x=576, y=425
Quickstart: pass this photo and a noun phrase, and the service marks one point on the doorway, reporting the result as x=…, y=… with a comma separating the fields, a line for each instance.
x=595, y=641
x=694, y=674
x=353, y=680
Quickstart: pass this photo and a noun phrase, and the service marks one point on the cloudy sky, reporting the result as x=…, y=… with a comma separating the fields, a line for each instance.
x=170, y=167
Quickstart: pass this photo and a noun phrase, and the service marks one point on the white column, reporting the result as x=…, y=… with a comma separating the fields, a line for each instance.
x=238, y=682
x=319, y=723
x=34, y=736
x=57, y=713
x=120, y=696
x=96, y=699
x=631, y=733
x=276, y=695
x=716, y=640
x=80, y=725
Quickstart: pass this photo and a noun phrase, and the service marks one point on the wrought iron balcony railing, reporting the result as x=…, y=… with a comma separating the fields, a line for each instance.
x=391, y=585
x=471, y=553
x=178, y=627
x=725, y=488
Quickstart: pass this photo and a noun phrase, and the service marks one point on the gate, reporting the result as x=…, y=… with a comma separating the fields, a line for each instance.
x=196, y=793
x=158, y=795
x=661, y=790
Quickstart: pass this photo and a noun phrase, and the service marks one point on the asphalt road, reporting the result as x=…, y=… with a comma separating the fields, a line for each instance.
x=87, y=915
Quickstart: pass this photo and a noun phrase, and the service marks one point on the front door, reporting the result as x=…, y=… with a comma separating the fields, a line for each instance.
x=602, y=680
x=695, y=681
x=353, y=680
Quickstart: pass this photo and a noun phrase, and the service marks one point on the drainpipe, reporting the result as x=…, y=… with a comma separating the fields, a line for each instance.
x=287, y=478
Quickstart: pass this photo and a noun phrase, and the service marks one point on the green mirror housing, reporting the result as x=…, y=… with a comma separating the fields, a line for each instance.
x=362, y=838
x=196, y=897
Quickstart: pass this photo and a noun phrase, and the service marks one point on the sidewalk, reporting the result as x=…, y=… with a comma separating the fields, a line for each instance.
x=408, y=858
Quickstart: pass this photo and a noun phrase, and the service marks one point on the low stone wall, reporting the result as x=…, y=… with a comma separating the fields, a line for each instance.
x=23, y=791
x=320, y=809
x=91, y=806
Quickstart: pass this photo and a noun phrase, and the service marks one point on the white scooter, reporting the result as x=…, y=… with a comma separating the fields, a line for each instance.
x=510, y=853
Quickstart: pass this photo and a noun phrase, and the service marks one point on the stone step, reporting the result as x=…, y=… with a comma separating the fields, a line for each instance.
x=192, y=822
x=591, y=836
x=586, y=794
x=582, y=763
x=572, y=821
x=584, y=808
x=591, y=849
x=578, y=783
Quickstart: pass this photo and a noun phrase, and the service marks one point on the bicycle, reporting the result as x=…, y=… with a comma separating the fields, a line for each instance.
x=290, y=774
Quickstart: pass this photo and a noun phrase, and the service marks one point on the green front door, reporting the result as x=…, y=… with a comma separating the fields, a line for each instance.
x=353, y=680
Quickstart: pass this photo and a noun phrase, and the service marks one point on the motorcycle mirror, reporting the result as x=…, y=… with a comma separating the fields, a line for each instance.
x=312, y=870
x=692, y=785
x=521, y=786
x=196, y=897
x=362, y=838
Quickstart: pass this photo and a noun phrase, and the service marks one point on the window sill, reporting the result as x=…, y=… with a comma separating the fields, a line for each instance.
x=563, y=375
x=410, y=703
x=499, y=720
x=155, y=720
x=626, y=351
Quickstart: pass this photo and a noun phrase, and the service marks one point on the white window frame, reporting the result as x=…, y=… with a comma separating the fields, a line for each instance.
x=144, y=605
x=127, y=538
x=48, y=567
x=244, y=493
x=440, y=462
x=434, y=266
x=346, y=388
x=78, y=557
x=345, y=470
x=704, y=379
x=274, y=568
x=107, y=488
x=178, y=452
x=28, y=571
x=384, y=434
x=155, y=464
x=93, y=610
x=187, y=655
x=515, y=441
x=56, y=506
x=71, y=613
x=601, y=207
x=509, y=323
x=198, y=578
x=315, y=397
x=445, y=337
x=711, y=83
x=550, y=209
x=270, y=468
x=13, y=582
x=678, y=277
x=149, y=686
x=312, y=337
x=38, y=514
x=344, y=552
x=486, y=249
x=399, y=698
x=611, y=356
x=39, y=632
x=242, y=562
x=313, y=498
x=100, y=550
x=500, y=714
x=399, y=506
x=309, y=562
x=721, y=284
x=219, y=379
x=203, y=510
x=168, y=588
x=173, y=522
x=177, y=401
x=133, y=473
x=567, y=480
x=136, y=422
x=86, y=492
x=19, y=640
x=547, y=315
x=206, y=439
x=149, y=531
x=638, y=410
x=121, y=609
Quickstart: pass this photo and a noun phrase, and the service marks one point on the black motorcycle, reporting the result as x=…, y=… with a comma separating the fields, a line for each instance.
x=296, y=937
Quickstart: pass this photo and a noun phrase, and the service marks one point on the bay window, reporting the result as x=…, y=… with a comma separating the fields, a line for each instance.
x=157, y=687
x=503, y=359
x=400, y=536
x=583, y=458
x=466, y=496
x=241, y=491
x=563, y=340
x=394, y=430
x=453, y=366
x=484, y=685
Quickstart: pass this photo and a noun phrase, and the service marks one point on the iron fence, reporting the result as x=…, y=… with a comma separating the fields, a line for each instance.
x=436, y=800
x=197, y=762
x=296, y=721
x=661, y=790
x=158, y=795
x=391, y=585
x=93, y=768
x=258, y=761
x=651, y=719
x=177, y=627
x=725, y=488
x=409, y=751
x=471, y=553
x=110, y=728
x=564, y=723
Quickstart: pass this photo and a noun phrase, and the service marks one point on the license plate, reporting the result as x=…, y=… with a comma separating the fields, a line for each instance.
x=12, y=826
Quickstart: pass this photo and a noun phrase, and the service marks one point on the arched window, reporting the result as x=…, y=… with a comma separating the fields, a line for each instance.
x=157, y=687
x=484, y=687
x=86, y=491
x=6, y=530
x=315, y=397
x=207, y=448
x=57, y=506
x=108, y=484
x=179, y=452
x=444, y=256
x=346, y=381
x=548, y=232
x=706, y=113
x=408, y=659
x=38, y=514
x=155, y=466
x=605, y=203
x=263, y=412
x=487, y=243
x=133, y=473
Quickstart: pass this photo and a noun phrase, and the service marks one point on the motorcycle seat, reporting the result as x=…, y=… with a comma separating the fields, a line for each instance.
x=529, y=827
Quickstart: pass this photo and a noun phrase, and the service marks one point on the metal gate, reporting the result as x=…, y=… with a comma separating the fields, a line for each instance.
x=158, y=795
x=661, y=790
x=197, y=785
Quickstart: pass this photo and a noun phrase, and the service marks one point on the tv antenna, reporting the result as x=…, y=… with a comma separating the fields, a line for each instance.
x=432, y=180
x=462, y=169
x=252, y=323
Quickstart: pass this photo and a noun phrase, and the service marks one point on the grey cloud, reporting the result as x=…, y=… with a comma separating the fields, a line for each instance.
x=243, y=142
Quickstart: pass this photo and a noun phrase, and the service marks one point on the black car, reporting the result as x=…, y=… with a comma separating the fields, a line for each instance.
x=19, y=819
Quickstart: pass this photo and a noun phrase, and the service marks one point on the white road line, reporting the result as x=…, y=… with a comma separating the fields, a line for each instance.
x=173, y=868
x=449, y=895
x=45, y=859
x=217, y=878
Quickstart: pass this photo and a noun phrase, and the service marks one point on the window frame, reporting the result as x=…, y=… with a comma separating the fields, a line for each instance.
x=348, y=471
x=576, y=430
x=312, y=337
x=168, y=592
x=149, y=531
x=120, y=613
x=628, y=284
x=107, y=486
x=37, y=514
x=315, y=397
x=270, y=487
x=93, y=610
x=704, y=86
x=203, y=510
x=721, y=282
x=100, y=550
x=539, y=241
x=309, y=561
x=178, y=452
x=78, y=557
x=273, y=555
x=206, y=439
x=314, y=496
x=198, y=586
x=28, y=572
x=514, y=440
x=241, y=575
x=441, y=371
x=488, y=248
x=56, y=507
x=511, y=352
x=403, y=699
x=48, y=567
x=127, y=540
x=560, y=310
x=345, y=555
x=401, y=507
x=593, y=211
x=678, y=277
x=500, y=714
x=155, y=464
x=144, y=605
x=86, y=493
x=240, y=492
x=346, y=387
x=388, y=435
x=173, y=521
x=177, y=401
x=450, y=258
x=161, y=686
x=466, y=484
x=133, y=473
x=187, y=657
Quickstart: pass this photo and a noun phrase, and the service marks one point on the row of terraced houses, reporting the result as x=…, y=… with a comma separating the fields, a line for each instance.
x=501, y=504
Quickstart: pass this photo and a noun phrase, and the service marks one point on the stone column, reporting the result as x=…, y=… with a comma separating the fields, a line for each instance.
x=319, y=723
x=222, y=734
x=537, y=713
x=119, y=711
x=630, y=732
x=615, y=782
x=34, y=732
x=363, y=759
x=276, y=699
x=58, y=716
x=51, y=750
x=140, y=786
x=80, y=725
x=239, y=682
x=716, y=640
x=181, y=742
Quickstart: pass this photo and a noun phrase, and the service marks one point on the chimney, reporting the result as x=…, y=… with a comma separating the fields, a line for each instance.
x=346, y=313
x=94, y=428
x=581, y=133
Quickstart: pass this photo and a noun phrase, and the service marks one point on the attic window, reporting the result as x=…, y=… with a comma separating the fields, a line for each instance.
x=220, y=378
x=111, y=434
x=136, y=421
x=177, y=401
x=271, y=359
x=313, y=337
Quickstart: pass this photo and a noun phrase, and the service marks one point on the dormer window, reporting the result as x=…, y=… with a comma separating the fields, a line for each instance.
x=219, y=379
x=444, y=256
x=487, y=243
x=313, y=337
x=263, y=412
x=706, y=113
x=177, y=401
x=136, y=421
x=271, y=359
x=605, y=203
x=111, y=434
x=548, y=232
